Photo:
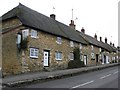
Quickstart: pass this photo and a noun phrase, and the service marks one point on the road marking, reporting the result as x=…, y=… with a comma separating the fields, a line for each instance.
x=105, y=76
x=83, y=84
x=115, y=72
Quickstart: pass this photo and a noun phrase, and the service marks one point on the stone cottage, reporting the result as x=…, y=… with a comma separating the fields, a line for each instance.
x=32, y=41
x=36, y=43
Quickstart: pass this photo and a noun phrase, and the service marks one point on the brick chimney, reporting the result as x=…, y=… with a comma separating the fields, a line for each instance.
x=100, y=39
x=95, y=36
x=72, y=25
x=83, y=30
x=53, y=16
x=105, y=40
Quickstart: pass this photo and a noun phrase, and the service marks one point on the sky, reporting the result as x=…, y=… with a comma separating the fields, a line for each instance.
x=96, y=16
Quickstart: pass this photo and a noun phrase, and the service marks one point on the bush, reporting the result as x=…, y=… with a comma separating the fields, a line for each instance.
x=24, y=44
x=76, y=63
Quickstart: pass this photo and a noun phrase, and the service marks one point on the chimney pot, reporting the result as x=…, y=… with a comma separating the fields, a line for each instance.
x=110, y=43
x=101, y=39
x=72, y=25
x=83, y=30
x=95, y=36
x=53, y=16
x=105, y=40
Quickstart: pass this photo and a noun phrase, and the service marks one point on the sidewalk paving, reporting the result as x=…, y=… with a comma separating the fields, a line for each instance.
x=26, y=78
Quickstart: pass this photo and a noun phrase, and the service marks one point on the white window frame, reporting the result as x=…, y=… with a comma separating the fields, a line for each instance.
x=92, y=47
x=25, y=33
x=19, y=37
x=81, y=57
x=100, y=49
x=59, y=40
x=34, y=34
x=71, y=56
x=80, y=46
x=34, y=52
x=58, y=55
x=71, y=44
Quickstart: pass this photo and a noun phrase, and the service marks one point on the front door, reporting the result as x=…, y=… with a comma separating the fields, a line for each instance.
x=97, y=58
x=46, y=59
x=85, y=59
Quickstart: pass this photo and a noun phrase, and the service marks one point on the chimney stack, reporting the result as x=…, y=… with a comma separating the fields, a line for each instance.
x=53, y=16
x=72, y=25
x=100, y=39
x=105, y=40
x=95, y=36
x=83, y=30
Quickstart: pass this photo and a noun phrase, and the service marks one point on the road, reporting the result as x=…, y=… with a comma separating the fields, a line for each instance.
x=105, y=78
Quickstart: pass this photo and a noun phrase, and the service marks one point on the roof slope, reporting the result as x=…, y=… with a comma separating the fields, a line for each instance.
x=41, y=22
x=93, y=41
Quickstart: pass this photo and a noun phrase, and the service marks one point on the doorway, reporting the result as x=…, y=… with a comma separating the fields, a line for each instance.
x=85, y=59
x=46, y=58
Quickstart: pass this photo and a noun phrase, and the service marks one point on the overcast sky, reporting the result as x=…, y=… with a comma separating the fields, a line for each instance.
x=96, y=16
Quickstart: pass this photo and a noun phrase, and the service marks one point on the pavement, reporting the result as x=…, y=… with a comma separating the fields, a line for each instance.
x=28, y=78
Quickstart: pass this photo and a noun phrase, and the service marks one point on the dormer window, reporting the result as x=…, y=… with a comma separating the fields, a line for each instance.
x=71, y=44
x=100, y=49
x=91, y=47
x=80, y=46
x=34, y=34
x=59, y=40
x=25, y=33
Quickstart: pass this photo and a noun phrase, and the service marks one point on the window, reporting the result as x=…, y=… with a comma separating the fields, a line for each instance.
x=81, y=57
x=58, y=55
x=59, y=40
x=33, y=34
x=91, y=47
x=100, y=49
x=33, y=52
x=100, y=56
x=71, y=44
x=18, y=39
x=25, y=33
x=80, y=46
x=71, y=56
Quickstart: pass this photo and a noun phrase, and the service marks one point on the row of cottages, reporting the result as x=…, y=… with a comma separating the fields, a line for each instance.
x=34, y=42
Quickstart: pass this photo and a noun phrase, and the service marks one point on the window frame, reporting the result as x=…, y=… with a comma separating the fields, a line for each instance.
x=92, y=47
x=71, y=53
x=35, y=50
x=80, y=46
x=57, y=57
x=34, y=34
x=25, y=33
x=59, y=40
x=71, y=44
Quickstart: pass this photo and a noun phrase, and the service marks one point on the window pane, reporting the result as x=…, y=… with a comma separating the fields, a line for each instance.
x=34, y=52
x=33, y=33
x=58, y=55
x=59, y=40
x=25, y=33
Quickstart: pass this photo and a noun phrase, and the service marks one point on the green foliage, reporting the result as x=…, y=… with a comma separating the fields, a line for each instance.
x=24, y=44
x=76, y=63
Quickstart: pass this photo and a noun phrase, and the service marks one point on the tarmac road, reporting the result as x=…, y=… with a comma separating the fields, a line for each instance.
x=105, y=78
